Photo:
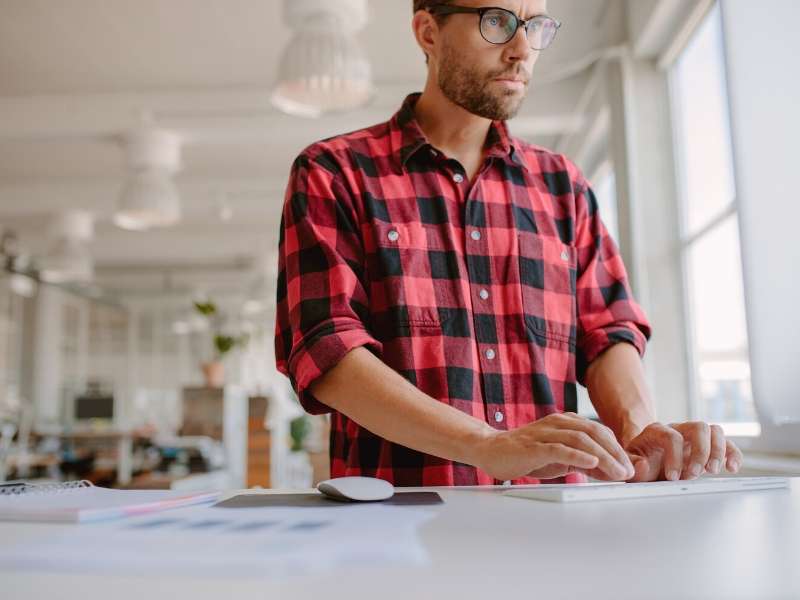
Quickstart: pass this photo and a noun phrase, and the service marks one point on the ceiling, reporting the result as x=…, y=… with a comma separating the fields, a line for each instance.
x=76, y=75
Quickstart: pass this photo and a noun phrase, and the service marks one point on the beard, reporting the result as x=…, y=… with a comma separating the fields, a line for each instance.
x=469, y=88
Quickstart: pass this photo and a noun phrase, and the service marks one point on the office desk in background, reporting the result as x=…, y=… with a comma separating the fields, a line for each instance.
x=485, y=545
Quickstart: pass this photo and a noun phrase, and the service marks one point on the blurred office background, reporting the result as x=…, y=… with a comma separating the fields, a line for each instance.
x=144, y=151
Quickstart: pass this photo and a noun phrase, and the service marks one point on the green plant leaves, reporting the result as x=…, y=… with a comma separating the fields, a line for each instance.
x=206, y=308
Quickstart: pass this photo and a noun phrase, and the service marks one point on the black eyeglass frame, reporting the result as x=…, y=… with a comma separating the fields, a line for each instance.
x=453, y=9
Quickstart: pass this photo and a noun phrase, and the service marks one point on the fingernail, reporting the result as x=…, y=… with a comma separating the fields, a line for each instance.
x=673, y=475
x=713, y=466
x=695, y=469
x=733, y=466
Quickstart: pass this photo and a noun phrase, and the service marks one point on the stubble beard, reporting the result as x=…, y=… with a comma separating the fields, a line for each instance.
x=470, y=89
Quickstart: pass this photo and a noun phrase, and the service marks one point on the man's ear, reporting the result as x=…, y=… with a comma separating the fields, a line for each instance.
x=426, y=31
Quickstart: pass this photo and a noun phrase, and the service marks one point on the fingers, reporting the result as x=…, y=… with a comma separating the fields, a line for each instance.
x=606, y=463
x=596, y=440
x=567, y=455
x=718, y=450
x=670, y=442
x=606, y=438
x=698, y=435
x=645, y=469
x=552, y=471
x=734, y=457
x=685, y=449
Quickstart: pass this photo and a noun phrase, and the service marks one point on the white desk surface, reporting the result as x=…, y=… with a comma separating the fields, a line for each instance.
x=484, y=545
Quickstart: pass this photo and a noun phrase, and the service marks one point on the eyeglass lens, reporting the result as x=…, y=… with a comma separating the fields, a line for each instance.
x=498, y=26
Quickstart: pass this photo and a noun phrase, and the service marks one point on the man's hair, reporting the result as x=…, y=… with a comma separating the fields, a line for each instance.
x=427, y=4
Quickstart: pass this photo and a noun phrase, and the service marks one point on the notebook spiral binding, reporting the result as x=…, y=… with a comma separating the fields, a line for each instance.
x=43, y=488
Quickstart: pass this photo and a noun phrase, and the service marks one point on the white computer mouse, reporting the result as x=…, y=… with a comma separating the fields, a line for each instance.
x=361, y=489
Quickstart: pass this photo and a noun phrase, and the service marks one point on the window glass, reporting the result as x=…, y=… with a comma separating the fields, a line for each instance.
x=719, y=331
x=703, y=127
x=712, y=257
x=605, y=190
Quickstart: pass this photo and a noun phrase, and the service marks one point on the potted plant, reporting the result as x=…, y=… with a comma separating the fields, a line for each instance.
x=299, y=428
x=223, y=343
x=299, y=471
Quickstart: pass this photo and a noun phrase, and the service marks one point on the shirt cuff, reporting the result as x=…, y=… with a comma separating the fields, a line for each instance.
x=598, y=341
x=322, y=350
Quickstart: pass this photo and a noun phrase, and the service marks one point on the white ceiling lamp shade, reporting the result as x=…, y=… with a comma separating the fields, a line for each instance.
x=149, y=198
x=22, y=285
x=68, y=259
x=323, y=68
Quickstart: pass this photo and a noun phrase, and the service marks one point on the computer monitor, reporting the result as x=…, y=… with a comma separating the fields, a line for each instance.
x=94, y=406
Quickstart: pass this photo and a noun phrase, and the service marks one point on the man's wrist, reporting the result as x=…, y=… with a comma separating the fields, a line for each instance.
x=477, y=445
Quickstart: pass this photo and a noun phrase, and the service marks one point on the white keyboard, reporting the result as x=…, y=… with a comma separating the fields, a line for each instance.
x=585, y=492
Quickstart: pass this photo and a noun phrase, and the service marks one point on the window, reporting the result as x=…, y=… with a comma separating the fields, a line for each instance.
x=11, y=334
x=718, y=353
x=604, y=185
x=605, y=189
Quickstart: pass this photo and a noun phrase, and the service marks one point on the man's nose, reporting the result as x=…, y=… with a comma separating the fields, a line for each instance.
x=518, y=47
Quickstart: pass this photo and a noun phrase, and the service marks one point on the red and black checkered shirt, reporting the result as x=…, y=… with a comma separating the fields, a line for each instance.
x=492, y=295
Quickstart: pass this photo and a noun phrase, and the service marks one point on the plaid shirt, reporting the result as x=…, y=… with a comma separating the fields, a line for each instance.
x=492, y=295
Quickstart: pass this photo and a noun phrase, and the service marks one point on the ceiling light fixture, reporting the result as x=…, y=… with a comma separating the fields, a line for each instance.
x=149, y=197
x=323, y=68
x=22, y=285
x=69, y=260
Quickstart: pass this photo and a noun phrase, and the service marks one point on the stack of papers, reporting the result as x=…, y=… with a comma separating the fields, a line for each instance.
x=84, y=503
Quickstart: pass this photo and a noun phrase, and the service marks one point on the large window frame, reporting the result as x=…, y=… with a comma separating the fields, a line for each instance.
x=690, y=239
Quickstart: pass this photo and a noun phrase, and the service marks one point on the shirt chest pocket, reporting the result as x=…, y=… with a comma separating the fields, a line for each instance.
x=408, y=269
x=548, y=278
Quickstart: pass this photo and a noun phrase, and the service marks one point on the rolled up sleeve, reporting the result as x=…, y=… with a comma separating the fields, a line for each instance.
x=322, y=301
x=607, y=311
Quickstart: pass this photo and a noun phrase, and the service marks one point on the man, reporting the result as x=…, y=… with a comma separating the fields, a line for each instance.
x=443, y=286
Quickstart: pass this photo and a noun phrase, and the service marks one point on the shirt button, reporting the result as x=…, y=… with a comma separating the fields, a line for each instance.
x=484, y=294
x=458, y=178
x=393, y=235
x=498, y=417
x=475, y=235
x=565, y=256
x=490, y=354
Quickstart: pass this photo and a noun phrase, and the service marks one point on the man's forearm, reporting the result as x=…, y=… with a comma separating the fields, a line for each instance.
x=376, y=397
x=618, y=391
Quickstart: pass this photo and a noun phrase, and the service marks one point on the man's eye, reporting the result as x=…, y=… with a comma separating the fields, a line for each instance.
x=494, y=21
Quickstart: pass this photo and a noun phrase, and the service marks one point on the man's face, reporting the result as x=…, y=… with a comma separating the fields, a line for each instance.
x=486, y=79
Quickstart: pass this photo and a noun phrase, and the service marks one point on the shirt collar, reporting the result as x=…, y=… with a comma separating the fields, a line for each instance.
x=407, y=137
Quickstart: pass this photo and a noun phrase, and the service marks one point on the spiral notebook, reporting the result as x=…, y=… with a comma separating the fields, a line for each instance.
x=81, y=501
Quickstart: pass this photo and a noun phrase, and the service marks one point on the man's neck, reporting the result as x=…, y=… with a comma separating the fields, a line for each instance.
x=450, y=128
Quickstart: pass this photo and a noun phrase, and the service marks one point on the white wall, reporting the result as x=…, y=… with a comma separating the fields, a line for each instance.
x=763, y=47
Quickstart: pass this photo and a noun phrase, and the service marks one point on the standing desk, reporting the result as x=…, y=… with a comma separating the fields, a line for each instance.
x=485, y=545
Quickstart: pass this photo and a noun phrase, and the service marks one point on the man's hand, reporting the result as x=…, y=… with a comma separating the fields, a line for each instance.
x=681, y=451
x=554, y=446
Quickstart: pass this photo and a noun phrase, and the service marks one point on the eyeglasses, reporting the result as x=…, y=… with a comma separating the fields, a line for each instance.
x=499, y=26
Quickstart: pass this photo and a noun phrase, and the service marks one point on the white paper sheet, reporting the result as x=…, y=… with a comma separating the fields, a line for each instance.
x=218, y=542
